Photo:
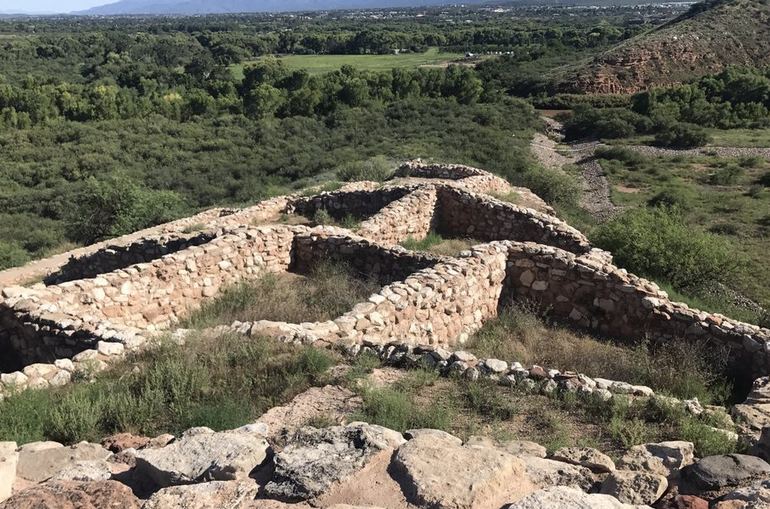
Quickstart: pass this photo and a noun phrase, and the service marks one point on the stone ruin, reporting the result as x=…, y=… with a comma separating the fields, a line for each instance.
x=102, y=301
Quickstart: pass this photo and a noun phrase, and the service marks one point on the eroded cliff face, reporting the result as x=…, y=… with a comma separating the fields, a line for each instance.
x=735, y=33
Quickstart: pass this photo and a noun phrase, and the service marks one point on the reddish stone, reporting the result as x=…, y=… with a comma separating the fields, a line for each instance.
x=689, y=502
x=537, y=373
x=74, y=495
x=122, y=441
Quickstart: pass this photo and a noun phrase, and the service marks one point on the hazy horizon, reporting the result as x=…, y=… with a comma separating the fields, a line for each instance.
x=48, y=6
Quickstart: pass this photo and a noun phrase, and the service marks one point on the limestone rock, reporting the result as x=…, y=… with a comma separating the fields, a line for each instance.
x=545, y=473
x=663, y=458
x=515, y=447
x=754, y=496
x=224, y=494
x=74, y=495
x=434, y=434
x=316, y=458
x=8, y=460
x=563, y=497
x=716, y=475
x=40, y=462
x=635, y=487
x=448, y=476
x=203, y=456
x=85, y=471
x=592, y=459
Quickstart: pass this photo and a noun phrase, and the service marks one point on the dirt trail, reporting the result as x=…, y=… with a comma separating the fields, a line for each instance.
x=595, y=197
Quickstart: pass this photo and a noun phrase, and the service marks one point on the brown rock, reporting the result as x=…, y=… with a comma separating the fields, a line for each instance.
x=121, y=441
x=441, y=475
x=74, y=495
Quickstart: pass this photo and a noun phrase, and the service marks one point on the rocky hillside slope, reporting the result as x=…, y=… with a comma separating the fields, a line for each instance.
x=711, y=36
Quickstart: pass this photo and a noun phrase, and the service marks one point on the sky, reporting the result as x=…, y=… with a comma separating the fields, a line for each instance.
x=48, y=5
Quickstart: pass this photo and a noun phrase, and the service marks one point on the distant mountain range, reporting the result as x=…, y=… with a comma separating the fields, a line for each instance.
x=236, y=6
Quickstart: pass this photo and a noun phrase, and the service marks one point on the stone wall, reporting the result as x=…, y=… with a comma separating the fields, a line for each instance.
x=411, y=216
x=441, y=305
x=466, y=214
x=600, y=297
x=359, y=203
x=118, y=256
x=368, y=259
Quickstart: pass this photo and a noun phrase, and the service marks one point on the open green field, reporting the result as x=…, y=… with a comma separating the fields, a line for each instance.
x=725, y=196
x=319, y=64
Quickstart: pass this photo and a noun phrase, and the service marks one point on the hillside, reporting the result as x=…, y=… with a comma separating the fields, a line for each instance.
x=700, y=42
x=238, y=6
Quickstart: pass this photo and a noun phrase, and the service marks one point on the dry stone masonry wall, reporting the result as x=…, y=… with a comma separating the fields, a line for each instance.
x=46, y=332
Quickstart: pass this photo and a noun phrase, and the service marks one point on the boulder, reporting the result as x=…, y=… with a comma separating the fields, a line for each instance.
x=592, y=459
x=545, y=473
x=663, y=458
x=42, y=461
x=121, y=441
x=203, y=496
x=515, y=447
x=684, y=502
x=635, y=487
x=716, y=475
x=202, y=455
x=563, y=497
x=314, y=458
x=754, y=496
x=8, y=460
x=434, y=434
x=439, y=474
x=74, y=495
x=92, y=470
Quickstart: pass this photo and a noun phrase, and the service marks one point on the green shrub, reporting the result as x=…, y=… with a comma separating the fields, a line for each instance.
x=681, y=198
x=625, y=155
x=11, y=255
x=589, y=122
x=377, y=168
x=396, y=409
x=682, y=136
x=764, y=180
x=726, y=176
x=658, y=243
x=117, y=206
x=553, y=186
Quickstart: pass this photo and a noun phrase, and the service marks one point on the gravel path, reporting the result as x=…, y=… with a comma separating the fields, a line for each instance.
x=595, y=197
x=703, y=151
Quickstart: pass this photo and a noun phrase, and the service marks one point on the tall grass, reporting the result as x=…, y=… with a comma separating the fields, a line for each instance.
x=220, y=382
x=329, y=290
x=520, y=335
x=434, y=243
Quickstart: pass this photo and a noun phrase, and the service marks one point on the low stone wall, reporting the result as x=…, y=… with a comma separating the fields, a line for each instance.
x=411, y=216
x=600, y=297
x=369, y=259
x=466, y=214
x=438, y=170
x=113, y=257
x=441, y=305
x=359, y=203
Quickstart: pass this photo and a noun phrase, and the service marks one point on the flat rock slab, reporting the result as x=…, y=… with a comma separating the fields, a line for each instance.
x=8, y=460
x=563, y=497
x=203, y=456
x=515, y=447
x=663, y=458
x=441, y=475
x=314, y=459
x=85, y=471
x=592, y=459
x=329, y=401
x=754, y=496
x=224, y=494
x=546, y=473
x=635, y=487
x=40, y=463
x=74, y=495
x=716, y=475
